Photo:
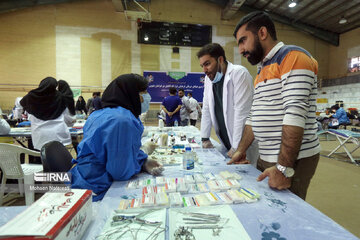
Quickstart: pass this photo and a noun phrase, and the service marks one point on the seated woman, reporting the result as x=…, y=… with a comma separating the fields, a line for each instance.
x=110, y=150
x=81, y=105
x=339, y=118
x=47, y=112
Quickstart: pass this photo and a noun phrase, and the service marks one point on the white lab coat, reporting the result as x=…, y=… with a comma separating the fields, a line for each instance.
x=237, y=99
x=57, y=129
x=185, y=108
x=4, y=127
x=194, y=106
x=18, y=110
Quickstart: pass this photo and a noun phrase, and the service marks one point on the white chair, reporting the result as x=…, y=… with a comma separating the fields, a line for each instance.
x=12, y=169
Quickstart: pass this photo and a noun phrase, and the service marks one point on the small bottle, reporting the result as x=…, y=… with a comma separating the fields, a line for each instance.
x=188, y=159
x=176, y=123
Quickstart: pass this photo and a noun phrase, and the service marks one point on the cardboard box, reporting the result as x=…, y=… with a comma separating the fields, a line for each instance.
x=64, y=215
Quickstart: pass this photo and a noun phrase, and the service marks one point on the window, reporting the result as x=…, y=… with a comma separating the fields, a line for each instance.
x=354, y=64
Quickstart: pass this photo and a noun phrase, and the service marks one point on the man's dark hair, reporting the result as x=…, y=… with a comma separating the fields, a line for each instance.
x=181, y=90
x=190, y=94
x=212, y=49
x=172, y=90
x=255, y=21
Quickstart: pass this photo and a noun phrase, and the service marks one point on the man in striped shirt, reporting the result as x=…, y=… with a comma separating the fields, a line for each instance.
x=282, y=116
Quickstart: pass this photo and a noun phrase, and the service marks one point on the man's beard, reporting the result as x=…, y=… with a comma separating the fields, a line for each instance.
x=217, y=70
x=256, y=55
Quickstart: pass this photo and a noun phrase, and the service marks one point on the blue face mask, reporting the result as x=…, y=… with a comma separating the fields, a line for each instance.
x=146, y=103
x=218, y=76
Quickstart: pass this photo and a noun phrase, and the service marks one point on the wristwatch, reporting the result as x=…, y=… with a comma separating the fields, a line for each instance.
x=287, y=171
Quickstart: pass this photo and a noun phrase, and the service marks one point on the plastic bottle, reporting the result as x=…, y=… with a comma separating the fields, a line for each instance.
x=176, y=123
x=188, y=159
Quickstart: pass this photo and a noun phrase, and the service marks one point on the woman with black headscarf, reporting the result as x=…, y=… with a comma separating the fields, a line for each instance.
x=110, y=149
x=81, y=105
x=47, y=112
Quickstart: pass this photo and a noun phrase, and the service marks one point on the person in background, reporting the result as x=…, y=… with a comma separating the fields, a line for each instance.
x=162, y=115
x=171, y=106
x=145, y=105
x=81, y=105
x=89, y=104
x=18, y=109
x=228, y=94
x=185, y=108
x=282, y=116
x=48, y=113
x=97, y=101
x=339, y=117
x=110, y=150
x=195, y=109
x=4, y=126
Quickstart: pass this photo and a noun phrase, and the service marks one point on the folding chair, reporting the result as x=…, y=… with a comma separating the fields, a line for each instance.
x=346, y=136
x=12, y=169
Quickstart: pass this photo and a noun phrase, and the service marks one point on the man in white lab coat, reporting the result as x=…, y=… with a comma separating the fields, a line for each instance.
x=228, y=95
x=195, y=109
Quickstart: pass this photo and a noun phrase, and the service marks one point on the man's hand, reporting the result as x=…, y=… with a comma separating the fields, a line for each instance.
x=276, y=178
x=231, y=152
x=207, y=144
x=239, y=158
x=153, y=167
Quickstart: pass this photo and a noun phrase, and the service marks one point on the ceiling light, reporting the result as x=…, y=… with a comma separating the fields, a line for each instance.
x=292, y=4
x=146, y=38
x=342, y=20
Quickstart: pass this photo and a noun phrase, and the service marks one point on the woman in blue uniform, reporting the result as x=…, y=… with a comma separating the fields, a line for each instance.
x=110, y=150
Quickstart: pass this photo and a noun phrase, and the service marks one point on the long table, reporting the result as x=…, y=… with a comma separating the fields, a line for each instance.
x=25, y=133
x=277, y=215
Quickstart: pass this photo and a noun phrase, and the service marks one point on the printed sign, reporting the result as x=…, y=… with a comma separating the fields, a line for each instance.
x=160, y=82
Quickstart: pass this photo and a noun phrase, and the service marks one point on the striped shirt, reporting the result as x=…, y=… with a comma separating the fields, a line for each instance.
x=285, y=94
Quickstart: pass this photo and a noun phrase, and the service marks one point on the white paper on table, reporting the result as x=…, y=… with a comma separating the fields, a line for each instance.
x=233, y=229
x=141, y=230
x=209, y=155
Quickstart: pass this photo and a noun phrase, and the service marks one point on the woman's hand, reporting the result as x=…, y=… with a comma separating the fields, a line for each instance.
x=153, y=167
x=149, y=147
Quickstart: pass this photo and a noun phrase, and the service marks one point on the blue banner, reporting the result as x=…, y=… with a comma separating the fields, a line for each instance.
x=160, y=82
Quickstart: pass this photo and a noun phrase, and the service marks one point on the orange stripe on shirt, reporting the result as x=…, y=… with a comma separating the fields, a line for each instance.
x=298, y=60
x=268, y=72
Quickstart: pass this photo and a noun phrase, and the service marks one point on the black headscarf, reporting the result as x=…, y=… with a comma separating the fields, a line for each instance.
x=124, y=92
x=44, y=102
x=68, y=95
x=81, y=104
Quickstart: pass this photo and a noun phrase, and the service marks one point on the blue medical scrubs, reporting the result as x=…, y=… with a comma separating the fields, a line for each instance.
x=341, y=116
x=110, y=150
